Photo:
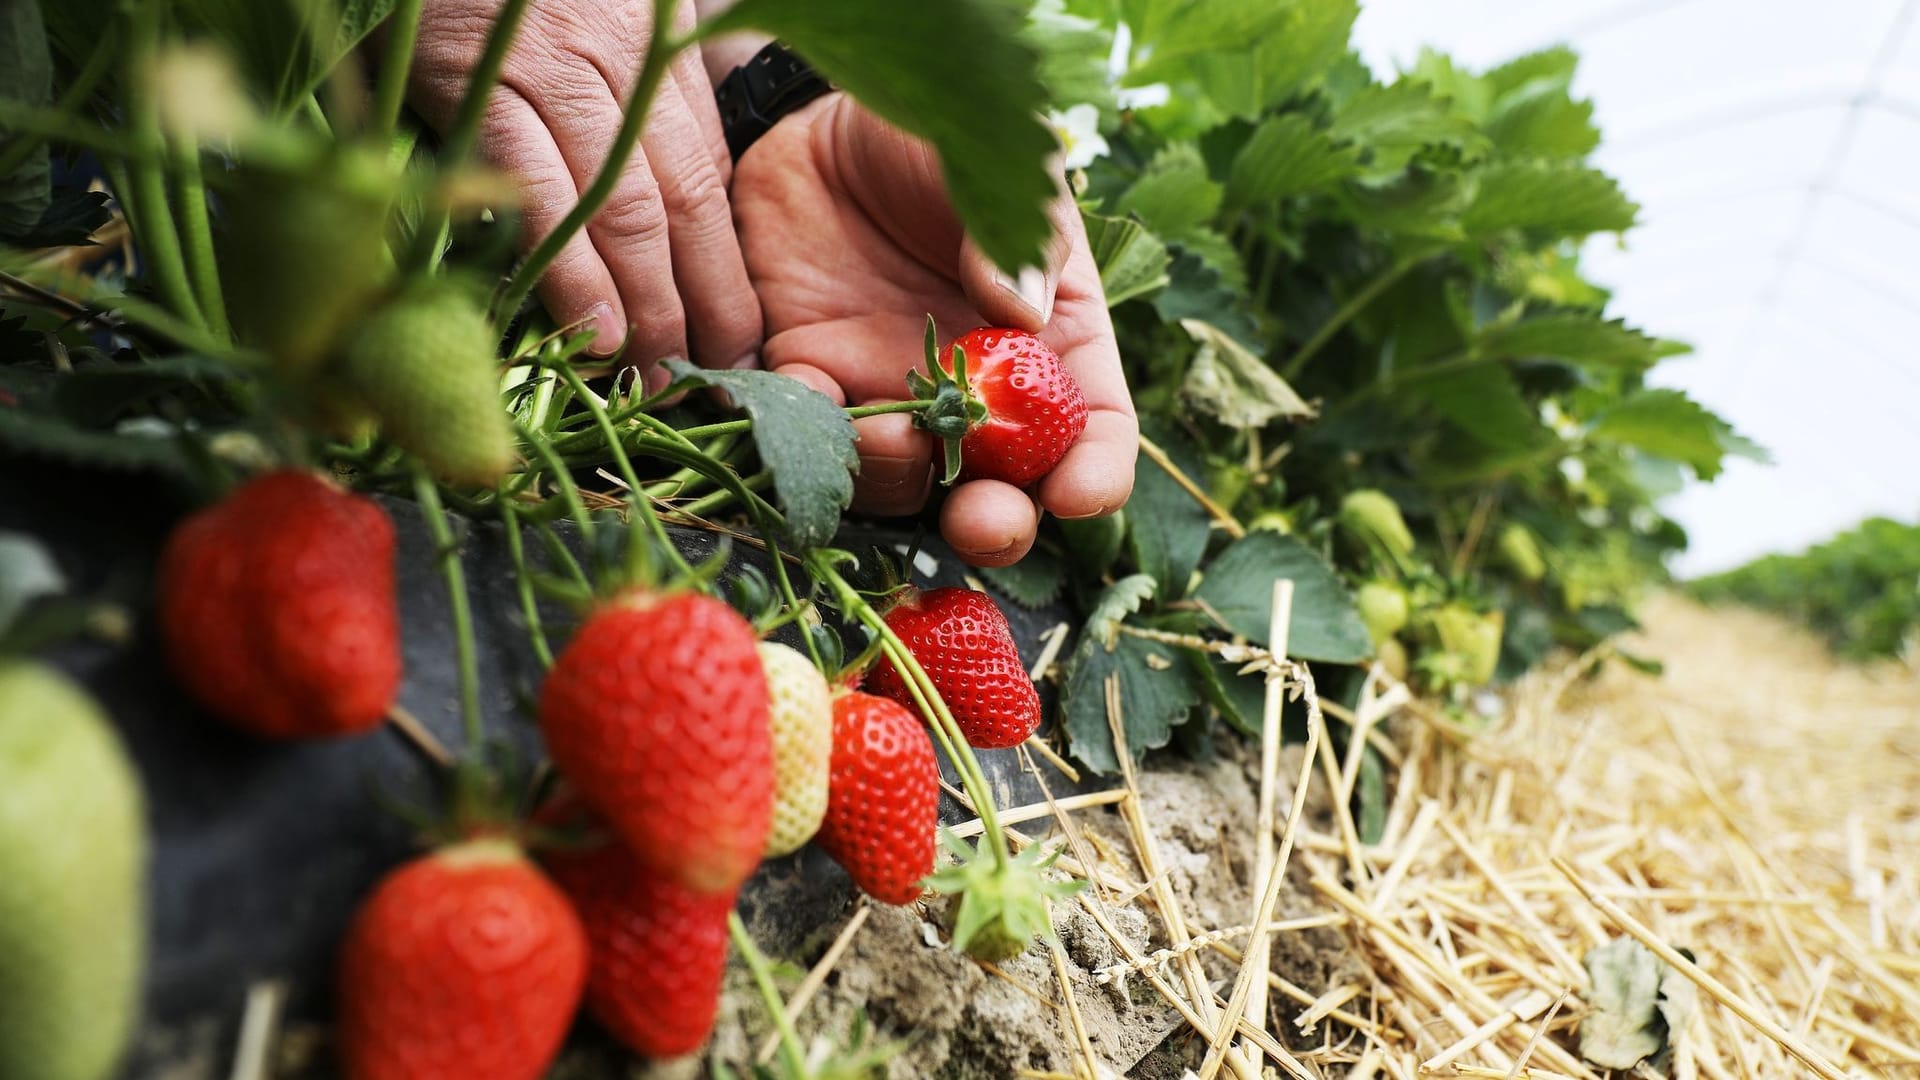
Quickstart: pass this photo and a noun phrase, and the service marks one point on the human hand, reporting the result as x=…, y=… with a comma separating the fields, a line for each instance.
x=851, y=242
x=660, y=261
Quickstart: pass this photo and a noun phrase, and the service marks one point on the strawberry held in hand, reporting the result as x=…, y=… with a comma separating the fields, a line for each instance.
x=963, y=641
x=1017, y=410
x=659, y=949
x=883, y=800
x=657, y=712
x=277, y=605
x=466, y=962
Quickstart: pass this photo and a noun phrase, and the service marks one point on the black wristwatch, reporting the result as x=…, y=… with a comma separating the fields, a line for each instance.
x=755, y=95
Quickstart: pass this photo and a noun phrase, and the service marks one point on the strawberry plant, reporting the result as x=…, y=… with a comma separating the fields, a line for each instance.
x=1350, y=309
x=1859, y=590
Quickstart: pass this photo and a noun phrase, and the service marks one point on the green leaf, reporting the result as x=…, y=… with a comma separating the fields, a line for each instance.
x=1236, y=387
x=1132, y=261
x=1370, y=796
x=1174, y=195
x=1294, y=54
x=1218, y=254
x=1669, y=424
x=956, y=74
x=1625, y=1025
x=70, y=220
x=1419, y=201
x=1287, y=155
x=1483, y=401
x=26, y=77
x=27, y=572
x=1173, y=33
x=1033, y=582
x=804, y=438
x=1325, y=624
x=1540, y=120
x=1240, y=699
x=1554, y=66
x=1583, y=338
x=1094, y=543
x=1557, y=199
x=1394, y=122
x=1194, y=291
x=1073, y=54
x=1166, y=529
x=1469, y=95
x=1156, y=688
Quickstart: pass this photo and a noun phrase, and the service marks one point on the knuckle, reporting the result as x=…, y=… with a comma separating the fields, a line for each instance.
x=638, y=216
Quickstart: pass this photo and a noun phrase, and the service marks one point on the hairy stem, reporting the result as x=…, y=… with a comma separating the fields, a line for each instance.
x=529, y=606
x=1354, y=306
x=464, y=650
x=203, y=268
x=390, y=92
x=791, y=1054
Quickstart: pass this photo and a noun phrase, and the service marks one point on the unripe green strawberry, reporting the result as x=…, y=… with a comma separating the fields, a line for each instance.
x=1372, y=515
x=800, y=706
x=72, y=860
x=424, y=362
x=1521, y=552
x=1383, y=607
x=306, y=251
x=1473, y=638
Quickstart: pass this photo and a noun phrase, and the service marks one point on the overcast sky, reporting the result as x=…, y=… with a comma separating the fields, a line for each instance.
x=1775, y=149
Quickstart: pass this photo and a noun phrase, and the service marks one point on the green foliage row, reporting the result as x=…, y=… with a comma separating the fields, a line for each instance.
x=1859, y=590
x=1330, y=286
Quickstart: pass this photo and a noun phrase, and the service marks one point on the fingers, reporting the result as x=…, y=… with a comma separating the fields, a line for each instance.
x=896, y=465
x=1096, y=476
x=578, y=285
x=989, y=523
x=722, y=311
x=1023, y=300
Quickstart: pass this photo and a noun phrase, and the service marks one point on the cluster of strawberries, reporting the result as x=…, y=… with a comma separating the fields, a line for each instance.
x=691, y=750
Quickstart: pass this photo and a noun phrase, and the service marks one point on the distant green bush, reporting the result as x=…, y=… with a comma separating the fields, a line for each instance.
x=1861, y=590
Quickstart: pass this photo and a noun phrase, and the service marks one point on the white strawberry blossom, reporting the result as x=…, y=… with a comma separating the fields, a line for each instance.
x=1080, y=138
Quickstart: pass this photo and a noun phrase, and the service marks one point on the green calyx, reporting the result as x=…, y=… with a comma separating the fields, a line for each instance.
x=1002, y=906
x=955, y=410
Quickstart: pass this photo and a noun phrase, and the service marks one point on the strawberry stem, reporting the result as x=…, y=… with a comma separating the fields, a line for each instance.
x=729, y=427
x=636, y=496
x=449, y=555
x=791, y=1054
x=523, y=582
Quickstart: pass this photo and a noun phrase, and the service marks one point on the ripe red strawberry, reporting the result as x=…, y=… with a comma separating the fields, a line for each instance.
x=277, y=605
x=1034, y=408
x=657, y=712
x=962, y=640
x=465, y=962
x=883, y=801
x=659, y=949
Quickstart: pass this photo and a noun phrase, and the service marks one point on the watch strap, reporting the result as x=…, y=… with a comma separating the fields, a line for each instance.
x=757, y=94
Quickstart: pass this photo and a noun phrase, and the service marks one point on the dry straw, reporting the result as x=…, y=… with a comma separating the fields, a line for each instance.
x=1757, y=806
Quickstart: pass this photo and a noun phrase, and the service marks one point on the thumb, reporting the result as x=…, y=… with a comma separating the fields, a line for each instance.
x=1022, y=299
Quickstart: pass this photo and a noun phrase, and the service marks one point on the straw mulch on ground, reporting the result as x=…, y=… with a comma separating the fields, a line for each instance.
x=1751, y=819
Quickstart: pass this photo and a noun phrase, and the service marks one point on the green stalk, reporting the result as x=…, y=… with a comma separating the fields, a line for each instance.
x=664, y=46
x=569, y=491
x=146, y=197
x=1354, y=306
x=202, y=267
x=790, y=1052
x=706, y=504
x=432, y=237
x=390, y=92
x=529, y=607
x=637, y=495
x=729, y=427
x=464, y=650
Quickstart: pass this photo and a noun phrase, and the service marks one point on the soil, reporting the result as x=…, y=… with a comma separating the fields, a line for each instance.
x=961, y=1020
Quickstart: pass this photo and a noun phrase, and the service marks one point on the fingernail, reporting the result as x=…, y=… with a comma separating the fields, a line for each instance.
x=608, y=334
x=888, y=471
x=746, y=363
x=1030, y=288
